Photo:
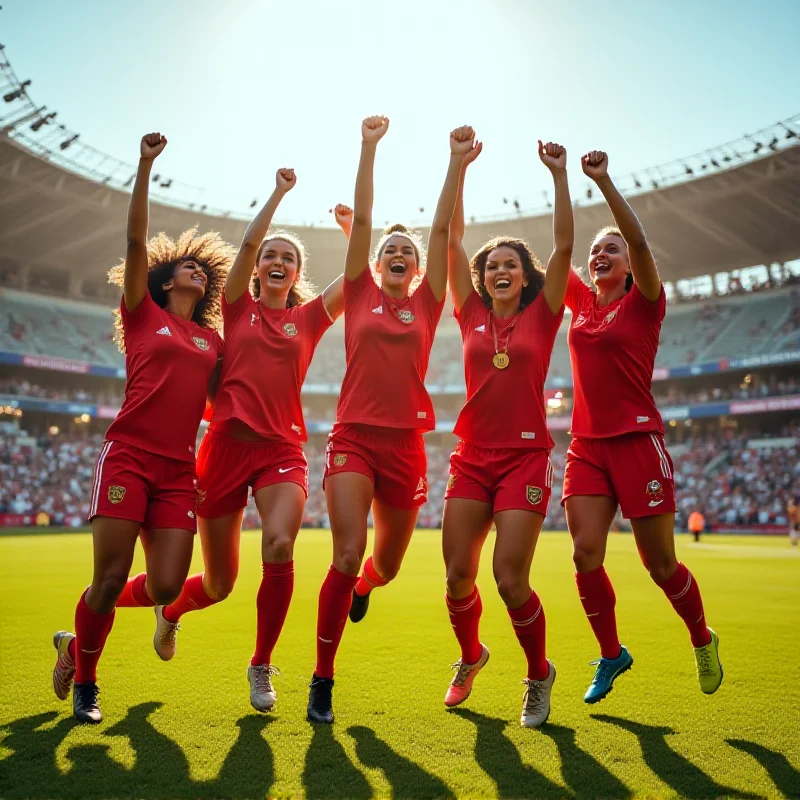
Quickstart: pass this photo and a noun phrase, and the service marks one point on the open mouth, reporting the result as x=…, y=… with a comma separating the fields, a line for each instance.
x=274, y=275
x=200, y=280
x=503, y=283
x=398, y=267
x=602, y=268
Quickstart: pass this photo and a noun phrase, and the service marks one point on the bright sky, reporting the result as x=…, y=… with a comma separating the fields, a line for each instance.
x=245, y=86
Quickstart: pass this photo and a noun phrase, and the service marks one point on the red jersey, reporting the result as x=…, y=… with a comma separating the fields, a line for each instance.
x=505, y=407
x=267, y=355
x=169, y=362
x=613, y=351
x=387, y=345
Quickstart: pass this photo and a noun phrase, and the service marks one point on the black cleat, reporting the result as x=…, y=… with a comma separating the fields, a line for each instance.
x=320, y=700
x=84, y=703
x=359, y=606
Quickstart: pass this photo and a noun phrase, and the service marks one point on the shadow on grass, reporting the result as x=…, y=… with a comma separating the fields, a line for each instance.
x=328, y=771
x=687, y=779
x=583, y=773
x=499, y=758
x=161, y=769
x=785, y=777
x=407, y=778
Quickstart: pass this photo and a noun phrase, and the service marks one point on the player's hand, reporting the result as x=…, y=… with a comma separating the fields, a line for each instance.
x=344, y=217
x=595, y=164
x=374, y=128
x=462, y=140
x=477, y=147
x=152, y=145
x=553, y=156
x=285, y=179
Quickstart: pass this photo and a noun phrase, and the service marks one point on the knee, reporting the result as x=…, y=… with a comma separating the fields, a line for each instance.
x=460, y=582
x=218, y=587
x=387, y=571
x=164, y=591
x=106, y=591
x=277, y=545
x=662, y=567
x=348, y=560
x=586, y=555
x=514, y=588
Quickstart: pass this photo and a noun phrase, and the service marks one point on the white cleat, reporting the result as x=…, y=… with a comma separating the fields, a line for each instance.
x=536, y=700
x=262, y=694
x=164, y=638
x=64, y=670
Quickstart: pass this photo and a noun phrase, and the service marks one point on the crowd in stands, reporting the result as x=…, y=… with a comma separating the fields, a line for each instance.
x=736, y=287
x=717, y=473
x=24, y=388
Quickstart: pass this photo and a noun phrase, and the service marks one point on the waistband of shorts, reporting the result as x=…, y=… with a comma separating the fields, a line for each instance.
x=376, y=435
x=463, y=444
x=149, y=453
x=630, y=436
x=219, y=432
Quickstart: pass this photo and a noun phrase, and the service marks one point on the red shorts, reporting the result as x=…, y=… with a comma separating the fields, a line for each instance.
x=227, y=466
x=130, y=483
x=634, y=469
x=392, y=458
x=506, y=478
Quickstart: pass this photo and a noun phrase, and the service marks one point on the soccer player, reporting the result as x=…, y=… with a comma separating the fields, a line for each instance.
x=793, y=513
x=617, y=454
x=376, y=454
x=509, y=311
x=144, y=481
x=272, y=324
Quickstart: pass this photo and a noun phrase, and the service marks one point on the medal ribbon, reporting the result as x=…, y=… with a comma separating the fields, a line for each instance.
x=509, y=331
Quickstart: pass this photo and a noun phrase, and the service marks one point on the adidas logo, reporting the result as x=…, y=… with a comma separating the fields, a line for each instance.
x=378, y=310
x=165, y=331
x=481, y=329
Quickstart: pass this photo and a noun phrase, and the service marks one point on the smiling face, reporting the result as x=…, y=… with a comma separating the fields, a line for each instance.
x=609, y=265
x=189, y=277
x=277, y=267
x=398, y=264
x=504, y=276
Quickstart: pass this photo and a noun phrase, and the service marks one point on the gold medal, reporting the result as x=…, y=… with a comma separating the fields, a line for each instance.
x=501, y=360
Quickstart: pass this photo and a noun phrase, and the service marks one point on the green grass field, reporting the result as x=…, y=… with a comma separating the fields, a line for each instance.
x=186, y=730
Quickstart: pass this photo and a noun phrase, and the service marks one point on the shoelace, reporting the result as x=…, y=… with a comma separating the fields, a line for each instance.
x=169, y=631
x=322, y=693
x=603, y=669
x=87, y=694
x=534, y=696
x=462, y=672
x=263, y=677
x=705, y=665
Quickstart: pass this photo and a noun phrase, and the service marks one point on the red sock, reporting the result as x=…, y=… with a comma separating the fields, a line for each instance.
x=529, y=625
x=465, y=617
x=684, y=594
x=335, y=597
x=598, y=600
x=91, y=632
x=134, y=595
x=272, y=605
x=369, y=579
x=193, y=597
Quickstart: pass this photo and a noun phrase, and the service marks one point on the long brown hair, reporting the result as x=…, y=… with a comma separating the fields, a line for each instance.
x=164, y=255
x=531, y=267
x=302, y=291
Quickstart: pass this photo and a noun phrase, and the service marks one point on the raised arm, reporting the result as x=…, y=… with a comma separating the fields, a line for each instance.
x=461, y=142
x=357, y=260
x=135, y=283
x=554, y=157
x=242, y=270
x=458, y=272
x=333, y=295
x=643, y=265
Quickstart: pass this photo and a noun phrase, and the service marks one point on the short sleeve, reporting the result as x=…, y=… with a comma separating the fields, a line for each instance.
x=655, y=311
x=577, y=292
x=546, y=320
x=231, y=312
x=318, y=316
x=472, y=306
x=142, y=313
x=355, y=288
x=428, y=303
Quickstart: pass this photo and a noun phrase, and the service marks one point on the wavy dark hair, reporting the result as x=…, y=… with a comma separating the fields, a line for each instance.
x=302, y=291
x=612, y=230
x=398, y=229
x=531, y=267
x=164, y=255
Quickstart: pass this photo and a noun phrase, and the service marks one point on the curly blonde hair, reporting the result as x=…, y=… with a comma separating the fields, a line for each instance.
x=209, y=250
x=398, y=229
x=302, y=291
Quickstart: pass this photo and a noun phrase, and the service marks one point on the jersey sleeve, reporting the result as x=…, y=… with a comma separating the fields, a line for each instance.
x=577, y=291
x=429, y=305
x=353, y=290
x=546, y=321
x=232, y=312
x=653, y=312
x=146, y=310
x=318, y=317
x=470, y=309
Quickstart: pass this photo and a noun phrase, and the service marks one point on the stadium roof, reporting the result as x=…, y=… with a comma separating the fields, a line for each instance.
x=52, y=219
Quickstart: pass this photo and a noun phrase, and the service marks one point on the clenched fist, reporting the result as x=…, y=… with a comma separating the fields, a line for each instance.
x=374, y=128
x=553, y=156
x=152, y=145
x=285, y=179
x=595, y=164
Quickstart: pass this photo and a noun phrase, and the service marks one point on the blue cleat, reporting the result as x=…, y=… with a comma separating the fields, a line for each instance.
x=608, y=670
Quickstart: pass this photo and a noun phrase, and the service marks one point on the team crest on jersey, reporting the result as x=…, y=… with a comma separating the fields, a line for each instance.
x=533, y=495
x=201, y=342
x=339, y=460
x=610, y=316
x=405, y=315
x=451, y=482
x=289, y=329
x=115, y=494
